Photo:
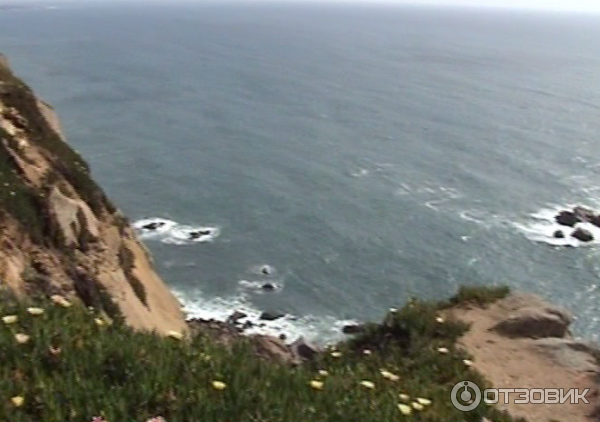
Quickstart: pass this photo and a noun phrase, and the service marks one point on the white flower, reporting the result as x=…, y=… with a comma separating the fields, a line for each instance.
x=367, y=384
x=323, y=373
x=367, y=352
x=10, y=319
x=406, y=410
x=317, y=385
x=417, y=406
x=22, y=338
x=404, y=397
x=35, y=311
x=440, y=320
x=60, y=301
x=389, y=375
x=468, y=362
x=424, y=402
x=442, y=350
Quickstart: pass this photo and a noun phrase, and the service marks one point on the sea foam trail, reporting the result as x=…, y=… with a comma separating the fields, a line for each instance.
x=171, y=232
x=542, y=226
x=316, y=329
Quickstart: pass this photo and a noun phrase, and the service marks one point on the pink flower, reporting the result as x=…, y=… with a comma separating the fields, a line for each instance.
x=98, y=419
x=156, y=419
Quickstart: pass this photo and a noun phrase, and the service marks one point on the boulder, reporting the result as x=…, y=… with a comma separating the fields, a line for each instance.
x=303, y=350
x=567, y=218
x=587, y=215
x=273, y=349
x=235, y=317
x=559, y=234
x=535, y=323
x=583, y=235
x=271, y=316
x=352, y=329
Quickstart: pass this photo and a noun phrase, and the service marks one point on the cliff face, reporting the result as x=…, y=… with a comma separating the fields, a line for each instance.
x=59, y=234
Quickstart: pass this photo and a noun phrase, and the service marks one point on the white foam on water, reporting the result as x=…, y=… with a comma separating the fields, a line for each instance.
x=257, y=286
x=319, y=330
x=542, y=226
x=173, y=233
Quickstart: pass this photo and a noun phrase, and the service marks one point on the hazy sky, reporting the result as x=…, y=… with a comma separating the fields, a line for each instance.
x=572, y=5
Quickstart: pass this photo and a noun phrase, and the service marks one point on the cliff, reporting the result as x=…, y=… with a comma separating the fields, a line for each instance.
x=59, y=232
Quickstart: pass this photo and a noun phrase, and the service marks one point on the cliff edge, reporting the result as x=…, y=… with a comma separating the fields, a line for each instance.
x=59, y=232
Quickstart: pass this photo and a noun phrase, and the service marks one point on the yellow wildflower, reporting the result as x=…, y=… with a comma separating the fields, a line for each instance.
x=175, y=335
x=323, y=373
x=367, y=384
x=468, y=362
x=35, y=311
x=389, y=375
x=417, y=406
x=317, y=385
x=99, y=322
x=404, y=397
x=219, y=385
x=405, y=409
x=17, y=401
x=440, y=320
x=367, y=352
x=10, y=319
x=442, y=350
x=336, y=354
x=424, y=402
x=60, y=301
x=22, y=338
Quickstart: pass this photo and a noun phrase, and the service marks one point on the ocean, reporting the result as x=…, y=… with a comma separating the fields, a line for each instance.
x=365, y=154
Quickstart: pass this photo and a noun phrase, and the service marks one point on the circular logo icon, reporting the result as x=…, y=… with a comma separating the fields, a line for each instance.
x=465, y=396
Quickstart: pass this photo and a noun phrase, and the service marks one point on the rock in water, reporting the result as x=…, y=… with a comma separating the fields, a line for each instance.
x=266, y=270
x=559, y=234
x=586, y=214
x=153, y=226
x=536, y=323
x=352, y=329
x=271, y=316
x=236, y=316
x=583, y=235
x=567, y=218
x=269, y=287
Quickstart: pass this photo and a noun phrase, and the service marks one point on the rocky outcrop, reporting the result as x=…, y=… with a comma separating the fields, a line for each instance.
x=535, y=322
x=578, y=215
x=522, y=341
x=59, y=234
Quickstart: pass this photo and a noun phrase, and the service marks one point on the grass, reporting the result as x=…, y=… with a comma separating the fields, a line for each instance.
x=72, y=369
x=477, y=295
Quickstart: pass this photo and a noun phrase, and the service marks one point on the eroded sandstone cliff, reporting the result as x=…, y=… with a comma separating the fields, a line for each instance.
x=59, y=234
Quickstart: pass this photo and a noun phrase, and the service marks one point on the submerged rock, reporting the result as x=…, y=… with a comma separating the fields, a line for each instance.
x=559, y=234
x=269, y=287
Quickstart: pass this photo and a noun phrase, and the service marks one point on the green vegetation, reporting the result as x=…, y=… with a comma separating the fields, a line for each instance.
x=16, y=197
x=74, y=365
x=478, y=295
x=127, y=262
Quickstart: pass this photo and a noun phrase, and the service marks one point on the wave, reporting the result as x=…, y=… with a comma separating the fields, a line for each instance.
x=171, y=232
x=542, y=226
x=320, y=330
